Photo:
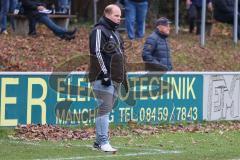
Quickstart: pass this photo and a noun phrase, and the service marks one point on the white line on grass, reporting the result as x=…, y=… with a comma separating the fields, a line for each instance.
x=147, y=152
x=139, y=149
x=106, y=156
x=90, y=146
x=143, y=151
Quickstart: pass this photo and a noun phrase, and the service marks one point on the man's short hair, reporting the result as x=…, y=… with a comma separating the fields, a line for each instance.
x=109, y=8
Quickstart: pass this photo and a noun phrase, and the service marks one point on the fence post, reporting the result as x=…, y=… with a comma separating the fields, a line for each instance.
x=235, y=37
x=95, y=10
x=203, y=23
x=176, y=16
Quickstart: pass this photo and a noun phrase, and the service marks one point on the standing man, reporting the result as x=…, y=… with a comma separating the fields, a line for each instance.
x=156, y=51
x=7, y=6
x=106, y=70
x=135, y=16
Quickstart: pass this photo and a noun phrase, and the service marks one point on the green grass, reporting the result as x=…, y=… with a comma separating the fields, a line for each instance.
x=181, y=146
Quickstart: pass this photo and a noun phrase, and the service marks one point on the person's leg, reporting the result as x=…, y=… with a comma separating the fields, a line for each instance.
x=105, y=97
x=57, y=30
x=32, y=26
x=4, y=11
x=199, y=16
x=239, y=31
x=130, y=17
x=102, y=125
x=191, y=18
x=238, y=26
x=12, y=7
x=141, y=12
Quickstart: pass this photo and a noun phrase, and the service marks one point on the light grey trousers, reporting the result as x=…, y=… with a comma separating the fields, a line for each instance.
x=105, y=97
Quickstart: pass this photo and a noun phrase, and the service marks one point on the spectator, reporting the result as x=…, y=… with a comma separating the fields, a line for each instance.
x=156, y=50
x=224, y=12
x=32, y=11
x=135, y=15
x=64, y=6
x=7, y=6
x=195, y=13
x=106, y=71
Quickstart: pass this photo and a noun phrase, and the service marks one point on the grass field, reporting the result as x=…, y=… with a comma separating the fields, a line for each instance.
x=182, y=146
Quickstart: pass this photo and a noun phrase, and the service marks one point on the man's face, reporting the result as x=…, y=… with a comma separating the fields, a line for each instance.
x=165, y=29
x=115, y=16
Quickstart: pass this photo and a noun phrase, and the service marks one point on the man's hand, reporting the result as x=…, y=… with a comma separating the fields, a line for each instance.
x=41, y=8
x=210, y=6
x=188, y=3
x=126, y=84
x=106, y=81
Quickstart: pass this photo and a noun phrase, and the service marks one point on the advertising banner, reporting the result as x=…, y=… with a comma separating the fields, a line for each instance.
x=67, y=99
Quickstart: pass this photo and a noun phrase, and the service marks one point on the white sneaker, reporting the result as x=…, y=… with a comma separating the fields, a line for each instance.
x=4, y=32
x=108, y=148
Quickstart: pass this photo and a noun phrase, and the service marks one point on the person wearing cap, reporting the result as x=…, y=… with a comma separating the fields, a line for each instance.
x=156, y=50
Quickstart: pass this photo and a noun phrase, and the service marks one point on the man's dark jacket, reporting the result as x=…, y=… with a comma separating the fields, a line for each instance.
x=198, y=3
x=30, y=8
x=139, y=1
x=157, y=51
x=224, y=11
x=106, y=52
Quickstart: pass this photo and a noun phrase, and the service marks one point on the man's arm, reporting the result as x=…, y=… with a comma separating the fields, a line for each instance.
x=151, y=63
x=188, y=3
x=148, y=49
x=97, y=40
x=223, y=6
x=33, y=5
x=210, y=5
x=96, y=43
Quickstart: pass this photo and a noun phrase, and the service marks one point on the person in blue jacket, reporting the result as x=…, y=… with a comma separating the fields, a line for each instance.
x=156, y=50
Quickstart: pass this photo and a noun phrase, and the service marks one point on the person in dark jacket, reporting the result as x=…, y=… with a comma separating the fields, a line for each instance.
x=156, y=50
x=135, y=16
x=32, y=9
x=106, y=71
x=224, y=12
x=195, y=13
